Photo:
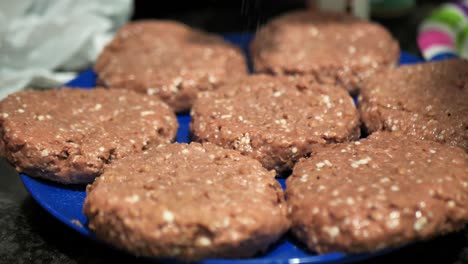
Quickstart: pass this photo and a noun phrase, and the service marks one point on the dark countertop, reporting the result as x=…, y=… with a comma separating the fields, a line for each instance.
x=29, y=234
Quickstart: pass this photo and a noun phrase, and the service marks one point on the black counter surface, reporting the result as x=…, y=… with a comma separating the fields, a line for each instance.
x=28, y=234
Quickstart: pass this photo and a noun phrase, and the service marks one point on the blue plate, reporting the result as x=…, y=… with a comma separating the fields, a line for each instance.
x=66, y=202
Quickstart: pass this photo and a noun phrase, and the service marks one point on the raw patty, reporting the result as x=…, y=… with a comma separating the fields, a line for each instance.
x=332, y=48
x=188, y=201
x=276, y=120
x=385, y=190
x=71, y=135
x=427, y=100
x=169, y=60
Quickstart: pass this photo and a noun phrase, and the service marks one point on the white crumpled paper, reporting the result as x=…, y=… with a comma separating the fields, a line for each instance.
x=43, y=43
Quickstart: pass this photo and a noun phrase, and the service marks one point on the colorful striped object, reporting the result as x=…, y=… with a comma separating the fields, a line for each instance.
x=444, y=33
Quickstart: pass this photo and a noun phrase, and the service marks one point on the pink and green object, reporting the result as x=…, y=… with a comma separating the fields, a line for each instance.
x=444, y=33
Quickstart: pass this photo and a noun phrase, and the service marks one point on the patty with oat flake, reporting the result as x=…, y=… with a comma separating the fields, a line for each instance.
x=333, y=48
x=169, y=60
x=383, y=191
x=188, y=201
x=71, y=135
x=428, y=100
x=276, y=120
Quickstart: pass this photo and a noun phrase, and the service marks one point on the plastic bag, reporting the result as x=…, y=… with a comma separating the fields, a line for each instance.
x=46, y=42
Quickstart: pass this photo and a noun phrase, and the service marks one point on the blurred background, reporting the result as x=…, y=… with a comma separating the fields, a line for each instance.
x=44, y=43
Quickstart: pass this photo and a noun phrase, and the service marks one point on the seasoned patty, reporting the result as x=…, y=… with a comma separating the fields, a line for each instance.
x=427, y=100
x=169, y=60
x=189, y=202
x=71, y=135
x=332, y=48
x=385, y=190
x=275, y=120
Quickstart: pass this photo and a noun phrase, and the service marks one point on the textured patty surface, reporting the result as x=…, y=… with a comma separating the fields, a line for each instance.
x=188, y=201
x=276, y=120
x=385, y=190
x=169, y=60
x=332, y=48
x=427, y=100
x=71, y=135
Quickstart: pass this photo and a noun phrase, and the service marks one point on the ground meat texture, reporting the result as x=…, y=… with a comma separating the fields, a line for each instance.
x=71, y=135
x=169, y=60
x=189, y=202
x=427, y=100
x=383, y=191
x=332, y=48
x=276, y=120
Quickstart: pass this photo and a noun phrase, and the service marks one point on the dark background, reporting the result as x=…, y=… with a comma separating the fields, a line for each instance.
x=28, y=234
